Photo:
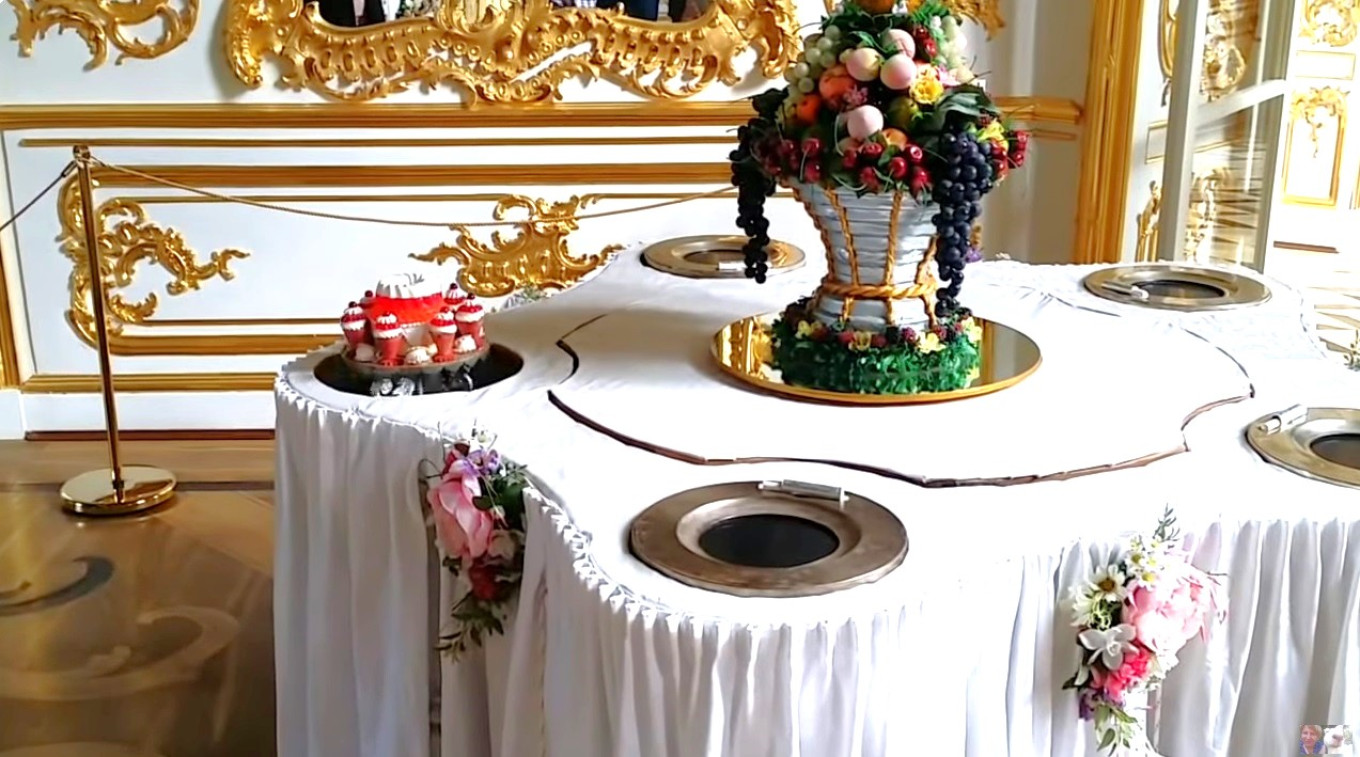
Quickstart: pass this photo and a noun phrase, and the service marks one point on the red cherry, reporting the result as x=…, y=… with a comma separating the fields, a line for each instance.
x=812, y=146
x=868, y=177
x=812, y=173
x=878, y=340
x=846, y=337
x=871, y=150
x=908, y=334
x=897, y=168
x=915, y=153
x=850, y=159
x=787, y=148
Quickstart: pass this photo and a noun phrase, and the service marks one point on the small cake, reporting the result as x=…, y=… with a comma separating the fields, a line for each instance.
x=470, y=321
x=444, y=329
x=389, y=338
x=366, y=301
x=454, y=298
x=355, y=325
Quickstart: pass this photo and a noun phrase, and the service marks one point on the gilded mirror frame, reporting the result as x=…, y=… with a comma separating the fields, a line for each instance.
x=513, y=53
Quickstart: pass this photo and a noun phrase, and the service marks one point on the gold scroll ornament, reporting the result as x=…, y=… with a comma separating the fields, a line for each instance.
x=1224, y=61
x=535, y=258
x=513, y=53
x=127, y=238
x=102, y=23
x=1335, y=23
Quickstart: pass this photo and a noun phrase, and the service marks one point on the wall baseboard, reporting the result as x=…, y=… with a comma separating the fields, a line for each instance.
x=233, y=435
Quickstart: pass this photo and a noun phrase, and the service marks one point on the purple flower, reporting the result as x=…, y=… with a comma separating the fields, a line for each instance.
x=974, y=255
x=1086, y=704
x=486, y=462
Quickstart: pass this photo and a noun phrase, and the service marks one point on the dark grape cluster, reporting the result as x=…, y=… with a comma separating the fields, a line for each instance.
x=963, y=174
x=754, y=184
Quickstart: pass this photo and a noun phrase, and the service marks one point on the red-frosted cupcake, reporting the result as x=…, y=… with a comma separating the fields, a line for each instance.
x=470, y=317
x=389, y=338
x=355, y=325
x=454, y=298
x=366, y=301
x=444, y=329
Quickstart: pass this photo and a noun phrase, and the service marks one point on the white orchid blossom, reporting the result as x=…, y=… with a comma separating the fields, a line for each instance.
x=1109, y=645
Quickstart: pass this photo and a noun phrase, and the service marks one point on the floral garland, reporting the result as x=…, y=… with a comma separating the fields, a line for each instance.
x=1134, y=615
x=477, y=501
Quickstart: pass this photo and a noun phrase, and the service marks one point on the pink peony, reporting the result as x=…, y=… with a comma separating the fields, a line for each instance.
x=465, y=531
x=1169, y=614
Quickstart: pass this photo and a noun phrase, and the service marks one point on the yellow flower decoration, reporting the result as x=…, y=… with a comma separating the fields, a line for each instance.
x=927, y=88
x=972, y=331
x=805, y=329
x=861, y=341
x=993, y=132
x=930, y=343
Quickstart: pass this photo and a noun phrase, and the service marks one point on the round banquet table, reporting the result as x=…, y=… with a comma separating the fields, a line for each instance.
x=1008, y=499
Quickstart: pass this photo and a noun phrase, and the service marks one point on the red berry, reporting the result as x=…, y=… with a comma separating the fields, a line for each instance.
x=915, y=153
x=897, y=168
x=787, y=148
x=812, y=146
x=908, y=334
x=812, y=173
x=850, y=159
x=868, y=177
x=871, y=150
x=878, y=340
x=929, y=49
x=846, y=337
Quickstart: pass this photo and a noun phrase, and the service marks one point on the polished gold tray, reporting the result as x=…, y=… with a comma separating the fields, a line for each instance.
x=717, y=257
x=1316, y=442
x=743, y=350
x=1170, y=286
x=769, y=538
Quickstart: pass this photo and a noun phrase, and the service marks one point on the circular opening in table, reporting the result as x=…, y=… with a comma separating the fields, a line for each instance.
x=499, y=364
x=1342, y=449
x=715, y=256
x=1182, y=289
x=768, y=540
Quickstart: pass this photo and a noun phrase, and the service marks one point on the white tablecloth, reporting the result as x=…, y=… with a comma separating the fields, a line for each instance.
x=959, y=651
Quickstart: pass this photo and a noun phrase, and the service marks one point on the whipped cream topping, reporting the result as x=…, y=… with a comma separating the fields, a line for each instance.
x=365, y=353
x=444, y=323
x=416, y=356
x=406, y=286
x=354, y=318
x=465, y=344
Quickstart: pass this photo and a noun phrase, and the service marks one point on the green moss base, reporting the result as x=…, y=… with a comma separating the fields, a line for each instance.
x=892, y=363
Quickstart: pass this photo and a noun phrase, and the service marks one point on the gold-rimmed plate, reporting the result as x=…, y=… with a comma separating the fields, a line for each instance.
x=1171, y=286
x=1317, y=442
x=766, y=539
x=717, y=257
x=743, y=350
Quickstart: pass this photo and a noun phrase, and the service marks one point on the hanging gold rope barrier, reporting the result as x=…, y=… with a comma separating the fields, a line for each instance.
x=126, y=489
x=399, y=222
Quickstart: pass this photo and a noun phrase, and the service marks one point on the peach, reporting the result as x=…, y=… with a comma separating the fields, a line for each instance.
x=835, y=82
x=864, y=121
x=863, y=64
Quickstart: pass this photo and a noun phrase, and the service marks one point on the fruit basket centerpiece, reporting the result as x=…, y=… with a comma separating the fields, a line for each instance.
x=890, y=142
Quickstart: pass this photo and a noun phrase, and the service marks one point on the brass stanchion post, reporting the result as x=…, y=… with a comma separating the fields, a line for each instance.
x=118, y=489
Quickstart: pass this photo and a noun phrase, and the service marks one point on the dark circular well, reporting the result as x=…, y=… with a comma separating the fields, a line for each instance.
x=499, y=364
x=1188, y=290
x=768, y=540
x=715, y=257
x=1342, y=449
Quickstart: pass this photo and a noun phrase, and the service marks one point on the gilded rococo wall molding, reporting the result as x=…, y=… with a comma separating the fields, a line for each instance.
x=127, y=238
x=105, y=23
x=1316, y=107
x=513, y=54
x=536, y=257
x=1204, y=209
x=1224, y=60
x=1332, y=22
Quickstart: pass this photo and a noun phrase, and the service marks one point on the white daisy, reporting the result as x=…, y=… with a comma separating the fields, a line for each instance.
x=1081, y=602
x=1108, y=584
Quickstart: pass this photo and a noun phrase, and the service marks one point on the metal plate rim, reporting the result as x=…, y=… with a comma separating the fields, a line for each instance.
x=1284, y=449
x=881, y=547
x=670, y=256
x=1243, y=291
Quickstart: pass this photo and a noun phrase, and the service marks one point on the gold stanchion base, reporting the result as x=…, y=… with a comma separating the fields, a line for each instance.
x=144, y=487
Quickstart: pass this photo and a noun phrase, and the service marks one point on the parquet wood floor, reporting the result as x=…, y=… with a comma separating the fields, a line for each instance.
x=149, y=636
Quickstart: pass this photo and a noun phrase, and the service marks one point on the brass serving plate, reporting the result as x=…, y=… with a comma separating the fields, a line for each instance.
x=717, y=257
x=743, y=350
x=870, y=540
x=1170, y=286
x=1322, y=443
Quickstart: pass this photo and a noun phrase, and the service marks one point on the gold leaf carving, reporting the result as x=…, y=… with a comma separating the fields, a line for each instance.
x=102, y=23
x=1203, y=213
x=1316, y=107
x=127, y=238
x=1224, y=62
x=534, y=258
x=518, y=53
x=1332, y=22
x=1147, y=226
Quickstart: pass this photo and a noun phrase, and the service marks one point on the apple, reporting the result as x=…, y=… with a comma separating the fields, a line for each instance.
x=863, y=64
